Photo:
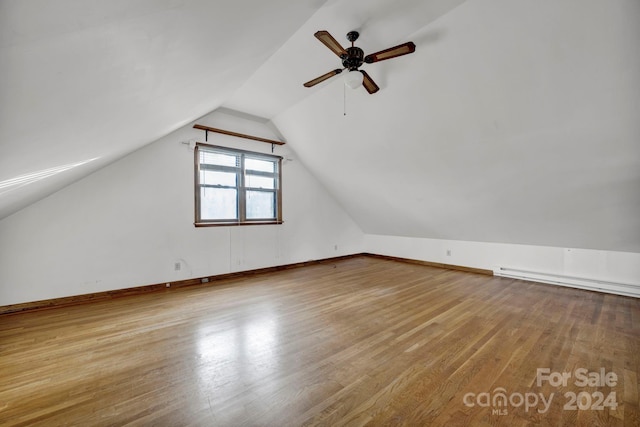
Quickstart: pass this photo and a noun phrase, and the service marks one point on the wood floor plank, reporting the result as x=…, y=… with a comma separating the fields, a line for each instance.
x=357, y=341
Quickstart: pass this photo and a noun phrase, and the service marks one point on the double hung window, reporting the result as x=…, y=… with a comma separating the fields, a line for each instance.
x=236, y=187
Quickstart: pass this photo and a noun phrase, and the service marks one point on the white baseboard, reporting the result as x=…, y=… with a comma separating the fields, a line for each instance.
x=617, y=288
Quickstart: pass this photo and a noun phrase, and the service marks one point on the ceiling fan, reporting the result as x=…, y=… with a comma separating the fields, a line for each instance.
x=353, y=57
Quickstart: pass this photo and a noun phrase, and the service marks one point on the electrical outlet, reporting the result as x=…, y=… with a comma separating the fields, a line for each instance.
x=448, y=252
x=335, y=247
x=177, y=266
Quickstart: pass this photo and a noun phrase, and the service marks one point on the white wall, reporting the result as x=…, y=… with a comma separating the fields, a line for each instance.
x=594, y=265
x=513, y=122
x=129, y=223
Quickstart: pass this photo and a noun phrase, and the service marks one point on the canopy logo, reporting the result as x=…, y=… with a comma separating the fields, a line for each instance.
x=500, y=402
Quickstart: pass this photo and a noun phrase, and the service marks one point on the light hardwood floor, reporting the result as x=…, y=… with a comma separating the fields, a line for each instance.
x=351, y=342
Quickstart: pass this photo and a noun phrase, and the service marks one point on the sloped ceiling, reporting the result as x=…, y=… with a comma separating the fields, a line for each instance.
x=84, y=82
x=514, y=121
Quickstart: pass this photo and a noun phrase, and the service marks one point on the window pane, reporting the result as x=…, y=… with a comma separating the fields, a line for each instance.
x=261, y=205
x=211, y=158
x=259, y=165
x=217, y=178
x=257, y=181
x=218, y=203
x=236, y=186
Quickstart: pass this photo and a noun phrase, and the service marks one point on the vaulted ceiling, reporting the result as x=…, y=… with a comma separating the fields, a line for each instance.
x=514, y=121
x=85, y=82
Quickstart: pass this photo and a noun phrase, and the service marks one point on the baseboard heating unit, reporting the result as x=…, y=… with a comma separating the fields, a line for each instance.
x=617, y=288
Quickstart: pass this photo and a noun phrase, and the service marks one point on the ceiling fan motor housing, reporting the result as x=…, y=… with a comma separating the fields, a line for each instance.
x=353, y=59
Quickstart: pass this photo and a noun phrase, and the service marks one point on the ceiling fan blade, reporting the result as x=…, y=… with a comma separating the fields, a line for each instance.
x=392, y=52
x=322, y=77
x=328, y=40
x=368, y=83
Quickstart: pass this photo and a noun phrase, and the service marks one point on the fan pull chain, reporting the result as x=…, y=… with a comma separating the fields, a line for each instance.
x=344, y=98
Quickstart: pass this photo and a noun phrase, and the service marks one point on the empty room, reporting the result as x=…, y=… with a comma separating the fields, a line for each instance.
x=320, y=212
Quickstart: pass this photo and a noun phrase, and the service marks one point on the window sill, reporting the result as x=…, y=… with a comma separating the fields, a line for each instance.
x=234, y=223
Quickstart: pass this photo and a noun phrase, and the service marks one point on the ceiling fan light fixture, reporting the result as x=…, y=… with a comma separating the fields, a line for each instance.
x=353, y=79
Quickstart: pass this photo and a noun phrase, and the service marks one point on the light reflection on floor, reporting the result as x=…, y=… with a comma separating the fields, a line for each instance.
x=236, y=355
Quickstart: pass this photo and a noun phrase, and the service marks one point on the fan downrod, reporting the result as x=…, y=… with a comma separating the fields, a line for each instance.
x=355, y=56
